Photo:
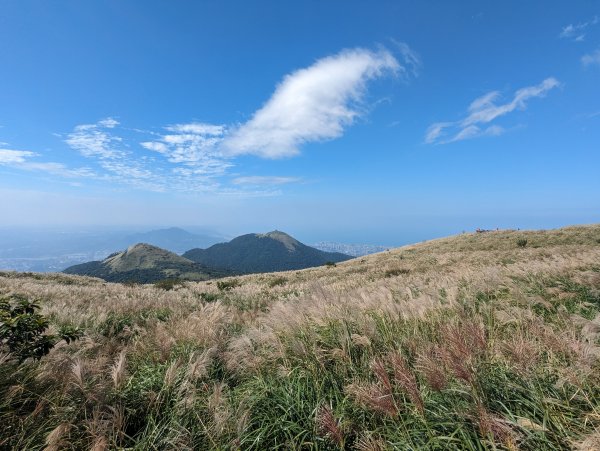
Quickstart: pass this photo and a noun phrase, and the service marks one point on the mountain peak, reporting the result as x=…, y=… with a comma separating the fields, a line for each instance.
x=144, y=262
x=143, y=247
x=288, y=241
x=142, y=255
x=262, y=252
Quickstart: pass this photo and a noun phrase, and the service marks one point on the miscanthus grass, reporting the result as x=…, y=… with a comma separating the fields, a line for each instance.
x=473, y=342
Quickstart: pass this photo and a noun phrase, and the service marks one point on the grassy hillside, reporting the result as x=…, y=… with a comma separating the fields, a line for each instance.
x=144, y=263
x=479, y=341
x=259, y=253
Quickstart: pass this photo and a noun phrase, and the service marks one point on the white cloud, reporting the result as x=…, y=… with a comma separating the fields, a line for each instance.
x=435, y=130
x=591, y=58
x=21, y=159
x=10, y=157
x=578, y=31
x=259, y=180
x=93, y=140
x=155, y=146
x=412, y=61
x=198, y=128
x=59, y=169
x=484, y=110
x=109, y=122
x=312, y=104
x=194, y=145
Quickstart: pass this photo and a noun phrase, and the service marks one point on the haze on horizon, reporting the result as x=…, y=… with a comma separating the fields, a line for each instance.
x=382, y=123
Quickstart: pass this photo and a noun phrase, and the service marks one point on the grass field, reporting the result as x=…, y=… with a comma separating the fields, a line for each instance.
x=478, y=341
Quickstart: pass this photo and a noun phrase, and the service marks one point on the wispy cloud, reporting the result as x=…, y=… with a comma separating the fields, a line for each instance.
x=482, y=112
x=100, y=143
x=313, y=104
x=10, y=157
x=194, y=145
x=577, y=32
x=261, y=180
x=22, y=159
x=411, y=60
x=591, y=59
x=93, y=140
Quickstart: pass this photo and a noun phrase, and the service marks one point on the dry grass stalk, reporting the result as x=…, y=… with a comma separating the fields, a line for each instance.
x=367, y=442
x=117, y=371
x=589, y=443
x=55, y=440
x=378, y=368
x=406, y=379
x=219, y=408
x=199, y=364
x=329, y=426
x=521, y=351
x=360, y=340
x=463, y=343
x=373, y=397
x=430, y=365
x=171, y=373
x=495, y=428
x=100, y=444
x=78, y=373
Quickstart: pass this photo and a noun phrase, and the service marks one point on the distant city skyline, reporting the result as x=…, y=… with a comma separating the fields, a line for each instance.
x=382, y=123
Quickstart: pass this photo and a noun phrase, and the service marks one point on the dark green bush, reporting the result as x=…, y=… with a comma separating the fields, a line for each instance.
x=277, y=281
x=522, y=242
x=22, y=329
x=168, y=284
x=227, y=285
x=396, y=272
x=209, y=297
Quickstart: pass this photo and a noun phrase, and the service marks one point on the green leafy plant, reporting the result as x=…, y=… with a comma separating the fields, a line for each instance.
x=22, y=329
x=522, y=242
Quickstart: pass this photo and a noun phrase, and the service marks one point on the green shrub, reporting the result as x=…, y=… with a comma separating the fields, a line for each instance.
x=227, y=285
x=22, y=329
x=168, y=284
x=396, y=272
x=522, y=242
x=209, y=297
x=277, y=281
x=330, y=264
x=116, y=323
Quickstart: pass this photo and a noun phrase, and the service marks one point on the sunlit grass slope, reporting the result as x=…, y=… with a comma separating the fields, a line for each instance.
x=478, y=341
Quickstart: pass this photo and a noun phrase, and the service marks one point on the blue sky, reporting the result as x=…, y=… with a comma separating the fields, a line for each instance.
x=385, y=121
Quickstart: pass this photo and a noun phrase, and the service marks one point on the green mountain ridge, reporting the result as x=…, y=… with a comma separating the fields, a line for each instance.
x=145, y=263
x=268, y=252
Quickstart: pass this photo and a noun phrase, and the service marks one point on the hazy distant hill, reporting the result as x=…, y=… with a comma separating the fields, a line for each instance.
x=253, y=253
x=145, y=263
x=55, y=249
x=52, y=249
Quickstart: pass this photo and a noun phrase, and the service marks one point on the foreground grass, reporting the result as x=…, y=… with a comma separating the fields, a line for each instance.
x=472, y=342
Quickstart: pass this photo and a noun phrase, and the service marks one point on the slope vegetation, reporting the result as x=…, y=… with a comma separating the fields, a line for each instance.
x=478, y=341
x=260, y=253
